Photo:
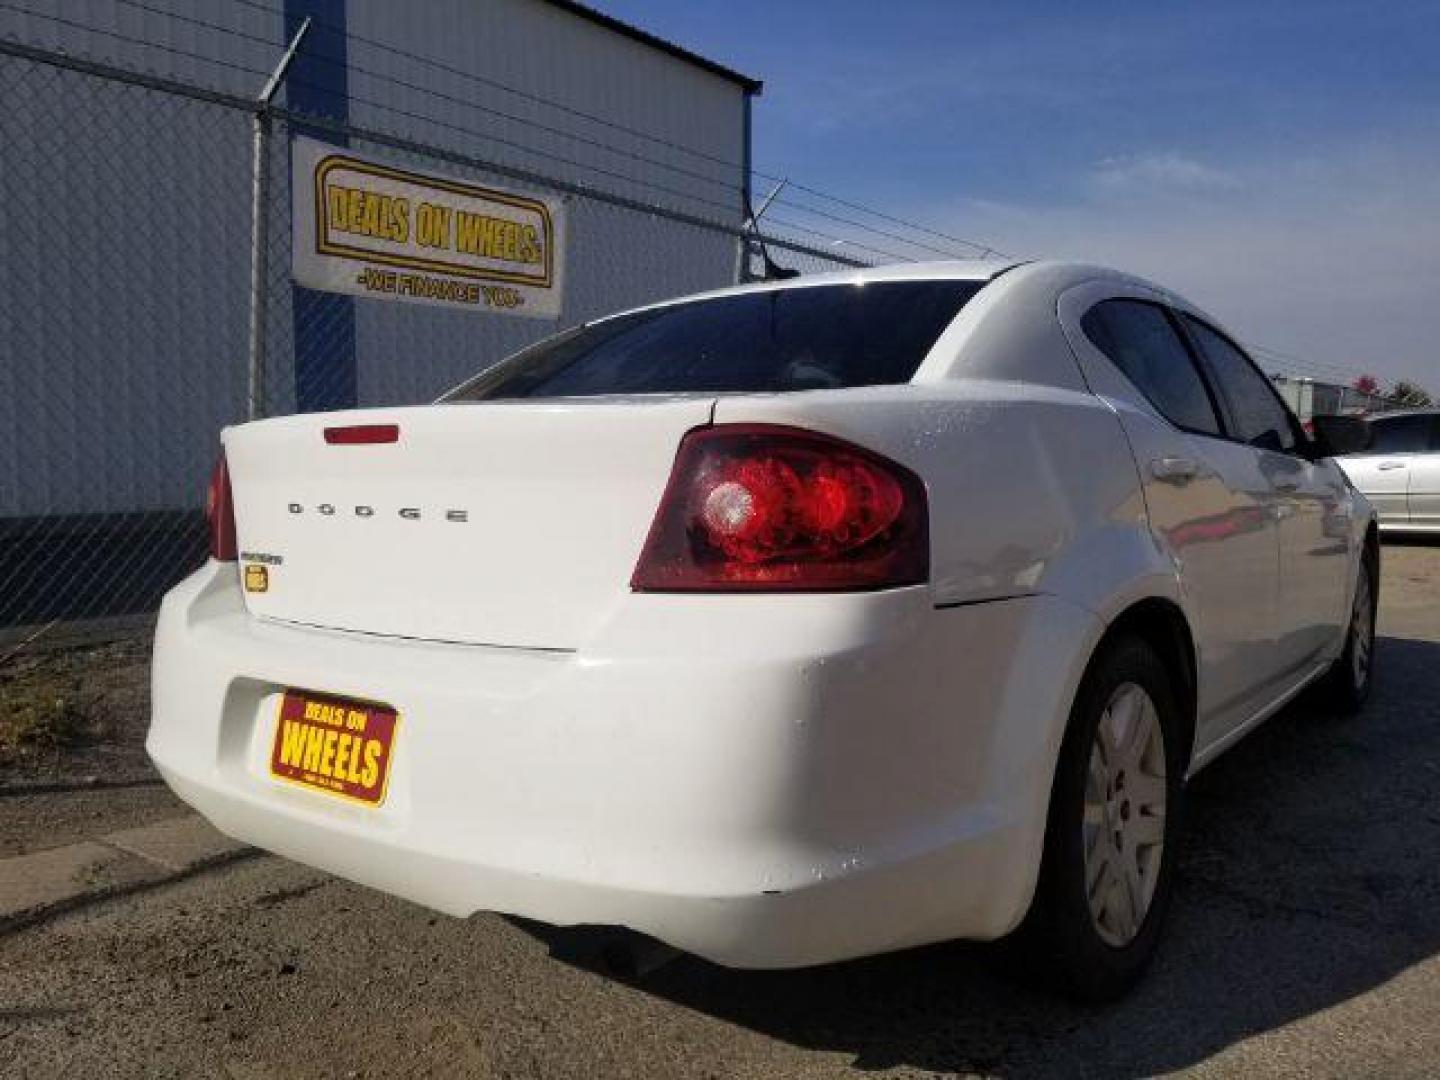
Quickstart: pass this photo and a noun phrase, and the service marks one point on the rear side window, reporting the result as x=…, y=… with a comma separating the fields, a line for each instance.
x=1257, y=413
x=804, y=338
x=1402, y=435
x=1143, y=343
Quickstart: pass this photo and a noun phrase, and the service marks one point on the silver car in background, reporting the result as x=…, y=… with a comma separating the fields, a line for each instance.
x=1400, y=472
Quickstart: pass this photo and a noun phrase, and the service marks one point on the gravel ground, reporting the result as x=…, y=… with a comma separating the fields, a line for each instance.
x=76, y=711
x=1305, y=941
x=73, y=715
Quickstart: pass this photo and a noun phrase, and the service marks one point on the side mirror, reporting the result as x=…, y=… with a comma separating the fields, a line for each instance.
x=1337, y=435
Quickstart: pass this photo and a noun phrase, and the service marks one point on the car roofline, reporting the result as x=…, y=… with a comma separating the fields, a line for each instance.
x=950, y=270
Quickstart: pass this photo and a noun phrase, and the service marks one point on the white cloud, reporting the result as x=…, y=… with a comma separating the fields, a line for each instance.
x=1333, y=257
x=1161, y=171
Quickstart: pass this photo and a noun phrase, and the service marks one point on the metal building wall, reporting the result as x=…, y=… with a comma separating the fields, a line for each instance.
x=124, y=287
x=160, y=37
x=614, y=258
x=123, y=275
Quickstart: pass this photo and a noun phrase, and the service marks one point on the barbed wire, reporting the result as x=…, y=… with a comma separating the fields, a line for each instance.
x=348, y=63
x=871, y=229
x=496, y=84
x=352, y=68
x=986, y=250
x=730, y=210
x=1294, y=364
x=772, y=220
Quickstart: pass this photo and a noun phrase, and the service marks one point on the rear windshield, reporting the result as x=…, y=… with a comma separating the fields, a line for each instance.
x=809, y=338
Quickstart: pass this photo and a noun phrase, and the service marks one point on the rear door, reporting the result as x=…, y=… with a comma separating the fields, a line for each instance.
x=1311, y=511
x=1211, y=506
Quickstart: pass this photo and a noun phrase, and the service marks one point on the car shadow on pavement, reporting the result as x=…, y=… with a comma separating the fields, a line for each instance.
x=1311, y=874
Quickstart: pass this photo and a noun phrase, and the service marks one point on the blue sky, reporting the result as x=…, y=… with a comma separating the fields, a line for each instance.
x=1277, y=162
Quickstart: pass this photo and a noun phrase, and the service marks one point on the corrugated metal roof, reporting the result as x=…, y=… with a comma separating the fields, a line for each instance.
x=752, y=86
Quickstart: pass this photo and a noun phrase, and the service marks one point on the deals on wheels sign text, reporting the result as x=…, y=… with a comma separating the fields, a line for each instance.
x=366, y=227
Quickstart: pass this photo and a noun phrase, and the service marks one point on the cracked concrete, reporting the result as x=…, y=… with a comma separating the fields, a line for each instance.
x=38, y=884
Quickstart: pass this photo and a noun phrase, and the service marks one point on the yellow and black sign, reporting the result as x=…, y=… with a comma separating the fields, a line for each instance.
x=334, y=745
x=367, y=228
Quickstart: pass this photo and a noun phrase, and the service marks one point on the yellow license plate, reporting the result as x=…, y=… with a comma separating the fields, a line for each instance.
x=335, y=745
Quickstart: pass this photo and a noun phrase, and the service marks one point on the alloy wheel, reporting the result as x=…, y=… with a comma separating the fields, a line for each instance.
x=1124, y=814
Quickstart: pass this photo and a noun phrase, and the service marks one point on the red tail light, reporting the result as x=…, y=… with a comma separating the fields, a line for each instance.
x=220, y=514
x=362, y=434
x=762, y=508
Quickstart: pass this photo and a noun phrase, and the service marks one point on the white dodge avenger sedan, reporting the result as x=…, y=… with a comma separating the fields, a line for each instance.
x=785, y=624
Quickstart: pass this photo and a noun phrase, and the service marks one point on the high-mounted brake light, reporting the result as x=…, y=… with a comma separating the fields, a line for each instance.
x=220, y=513
x=362, y=434
x=765, y=508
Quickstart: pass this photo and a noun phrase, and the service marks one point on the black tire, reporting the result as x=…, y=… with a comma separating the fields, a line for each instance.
x=1060, y=939
x=1346, y=686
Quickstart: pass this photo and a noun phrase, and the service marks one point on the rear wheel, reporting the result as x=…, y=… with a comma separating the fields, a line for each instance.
x=1110, y=845
x=1349, y=680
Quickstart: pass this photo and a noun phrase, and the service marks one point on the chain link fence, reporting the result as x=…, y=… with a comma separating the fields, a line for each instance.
x=127, y=261
x=120, y=368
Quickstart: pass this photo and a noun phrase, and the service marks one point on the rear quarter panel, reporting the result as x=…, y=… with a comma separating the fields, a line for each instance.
x=1032, y=490
x=1033, y=493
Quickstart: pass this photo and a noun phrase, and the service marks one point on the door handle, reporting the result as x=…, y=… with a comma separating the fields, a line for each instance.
x=1287, y=487
x=1174, y=470
x=1388, y=466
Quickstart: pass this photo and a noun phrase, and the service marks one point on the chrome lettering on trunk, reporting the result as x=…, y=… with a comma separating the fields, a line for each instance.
x=409, y=513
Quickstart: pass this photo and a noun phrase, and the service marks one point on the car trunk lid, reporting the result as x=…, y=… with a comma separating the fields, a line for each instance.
x=502, y=523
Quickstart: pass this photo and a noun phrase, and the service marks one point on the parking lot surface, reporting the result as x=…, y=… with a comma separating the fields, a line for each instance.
x=1305, y=941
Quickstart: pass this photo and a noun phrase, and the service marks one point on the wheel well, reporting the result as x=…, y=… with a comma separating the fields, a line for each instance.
x=1163, y=625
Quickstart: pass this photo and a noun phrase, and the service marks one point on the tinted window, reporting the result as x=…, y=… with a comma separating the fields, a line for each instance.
x=1401, y=435
x=1256, y=411
x=806, y=338
x=1143, y=343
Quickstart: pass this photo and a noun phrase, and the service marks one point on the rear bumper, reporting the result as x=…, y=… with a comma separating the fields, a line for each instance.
x=695, y=773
